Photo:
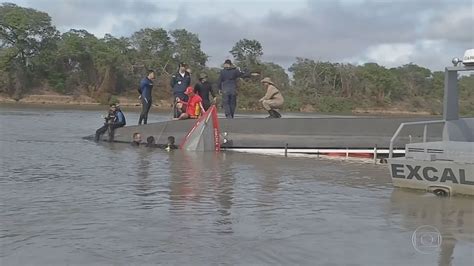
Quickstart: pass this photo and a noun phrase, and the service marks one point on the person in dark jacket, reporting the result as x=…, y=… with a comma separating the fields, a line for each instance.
x=114, y=119
x=179, y=82
x=146, y=85
x=204, y=89
x=227, y=86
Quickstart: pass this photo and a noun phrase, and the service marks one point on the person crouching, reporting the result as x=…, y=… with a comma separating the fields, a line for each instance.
x=114, y=119
x=193, y=105
x=272, y=99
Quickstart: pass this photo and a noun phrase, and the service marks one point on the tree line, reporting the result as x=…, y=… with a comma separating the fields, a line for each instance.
x=34, y=54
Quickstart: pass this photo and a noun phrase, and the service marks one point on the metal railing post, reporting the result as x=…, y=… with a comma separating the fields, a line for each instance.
x=425, y=132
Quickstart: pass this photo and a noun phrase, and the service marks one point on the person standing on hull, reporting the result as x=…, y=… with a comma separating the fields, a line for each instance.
x=272, y=99
x=227, y=86
x=204, y=89
x=179, y=82
x=146, y=86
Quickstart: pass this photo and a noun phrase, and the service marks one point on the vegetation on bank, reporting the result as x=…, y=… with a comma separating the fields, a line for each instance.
x=34, y=56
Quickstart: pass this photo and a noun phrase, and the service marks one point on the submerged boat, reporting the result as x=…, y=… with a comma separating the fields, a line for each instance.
x=446, y=166
x=299, y=135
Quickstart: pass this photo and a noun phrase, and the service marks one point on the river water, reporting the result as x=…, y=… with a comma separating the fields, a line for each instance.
x=68, y=201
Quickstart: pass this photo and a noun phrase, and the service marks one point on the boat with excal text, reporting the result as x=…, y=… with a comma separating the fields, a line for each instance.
x=444, y=167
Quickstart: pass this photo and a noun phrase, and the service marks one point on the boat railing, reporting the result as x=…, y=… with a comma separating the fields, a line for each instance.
x=402, y=125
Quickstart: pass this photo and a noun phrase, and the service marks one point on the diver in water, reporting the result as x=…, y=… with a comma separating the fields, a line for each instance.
x=150, y=143
x=170, y=145
x=136, y=139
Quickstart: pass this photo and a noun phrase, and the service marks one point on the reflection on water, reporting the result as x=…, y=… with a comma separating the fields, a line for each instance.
x=64, y=200
x=196, y=180
x=453, y=217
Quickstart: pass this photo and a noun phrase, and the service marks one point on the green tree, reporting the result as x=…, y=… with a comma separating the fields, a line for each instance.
x=187, y=48
x=415, y=80
x=466, y=92
x=24, y=34
x=277, y=74
x=154, y=50
x=74, y=65
x=313, y=78
x=378, y=82
x=247, y=53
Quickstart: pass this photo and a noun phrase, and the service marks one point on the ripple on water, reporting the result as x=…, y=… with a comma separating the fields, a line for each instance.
x=90, y=203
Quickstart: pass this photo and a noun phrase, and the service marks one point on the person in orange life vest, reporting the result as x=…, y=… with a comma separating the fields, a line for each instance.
x=193, y=105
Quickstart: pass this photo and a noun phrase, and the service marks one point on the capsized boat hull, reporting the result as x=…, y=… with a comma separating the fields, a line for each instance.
x=323, y=132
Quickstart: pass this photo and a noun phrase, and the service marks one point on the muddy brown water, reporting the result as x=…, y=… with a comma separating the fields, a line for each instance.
x=65, y=200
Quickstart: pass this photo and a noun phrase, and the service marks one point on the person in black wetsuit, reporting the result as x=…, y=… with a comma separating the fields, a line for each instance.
x=114, y=119
x=146, y=85
x=204, y=89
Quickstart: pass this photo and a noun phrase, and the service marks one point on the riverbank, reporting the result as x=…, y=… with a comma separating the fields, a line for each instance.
x=80, y=102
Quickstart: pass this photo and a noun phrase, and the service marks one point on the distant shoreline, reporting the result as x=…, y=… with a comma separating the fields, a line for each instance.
x=84, y=102
x=74, y=102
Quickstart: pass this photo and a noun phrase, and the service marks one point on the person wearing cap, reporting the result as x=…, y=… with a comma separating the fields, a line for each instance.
x=204, y=89
x=179, y=82
x=193, y=105
x=114, y=119
x=227, y=86
x=146, y=85
x=272, y=99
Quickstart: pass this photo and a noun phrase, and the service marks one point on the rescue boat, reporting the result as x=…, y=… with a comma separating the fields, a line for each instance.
x=444, y=166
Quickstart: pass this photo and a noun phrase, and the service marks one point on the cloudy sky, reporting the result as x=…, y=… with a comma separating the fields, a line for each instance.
x=389, y=32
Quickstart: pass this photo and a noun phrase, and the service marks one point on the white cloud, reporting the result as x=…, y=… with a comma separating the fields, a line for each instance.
x=393, y=54
x=391, y=33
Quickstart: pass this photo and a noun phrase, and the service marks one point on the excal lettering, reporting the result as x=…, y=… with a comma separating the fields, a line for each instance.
x=430, y=174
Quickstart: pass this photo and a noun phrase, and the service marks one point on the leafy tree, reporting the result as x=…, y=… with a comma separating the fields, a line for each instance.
x=315, y=78
x=247, y=53
x=24, y=34
x=187, y=48
x=74, y=66
x=350, y=81
x=277, y=74
x=415, y=79
x=437, y=84
x=154, y=50
x=378, y=81
x=466, y=93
